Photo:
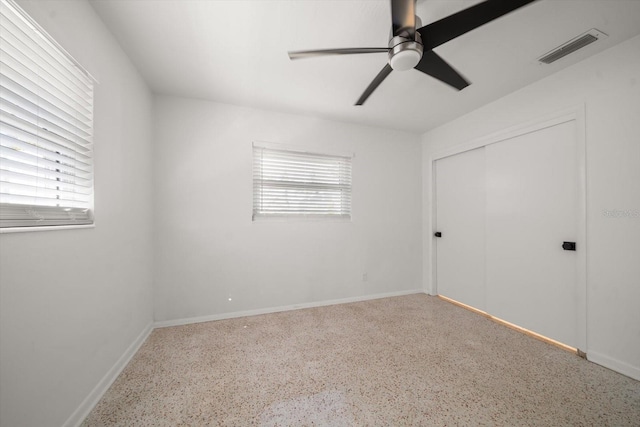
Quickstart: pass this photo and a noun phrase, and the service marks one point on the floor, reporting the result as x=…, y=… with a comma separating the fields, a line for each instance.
x=410, y=360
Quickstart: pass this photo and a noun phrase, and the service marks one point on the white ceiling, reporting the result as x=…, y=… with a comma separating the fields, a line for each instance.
x=236, y=52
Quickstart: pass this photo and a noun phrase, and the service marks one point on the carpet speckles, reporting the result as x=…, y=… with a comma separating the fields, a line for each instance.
x=412, y=360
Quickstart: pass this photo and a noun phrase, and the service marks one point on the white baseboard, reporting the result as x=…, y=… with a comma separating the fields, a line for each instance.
x=99, y=390
x=614, y=364
x=232, y=315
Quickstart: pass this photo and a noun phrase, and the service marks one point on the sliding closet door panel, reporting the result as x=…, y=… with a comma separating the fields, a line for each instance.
x=532, y=208
x=460, y=213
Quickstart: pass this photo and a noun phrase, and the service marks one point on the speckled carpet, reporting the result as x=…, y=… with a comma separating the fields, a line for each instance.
x=411, y=360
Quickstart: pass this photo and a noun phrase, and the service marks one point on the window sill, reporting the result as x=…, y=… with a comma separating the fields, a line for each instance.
x=45, y=228
x=300, y=218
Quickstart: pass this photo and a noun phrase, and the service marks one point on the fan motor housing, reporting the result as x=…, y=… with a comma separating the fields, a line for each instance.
x=405, y=53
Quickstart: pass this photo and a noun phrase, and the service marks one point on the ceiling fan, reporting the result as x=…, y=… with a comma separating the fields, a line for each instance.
x=412, y=47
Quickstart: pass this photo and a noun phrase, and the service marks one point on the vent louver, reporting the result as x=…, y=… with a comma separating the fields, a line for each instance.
x=572, y=46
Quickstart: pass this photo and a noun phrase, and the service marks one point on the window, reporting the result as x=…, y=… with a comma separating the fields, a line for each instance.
x=298, y=183
x=46, y=128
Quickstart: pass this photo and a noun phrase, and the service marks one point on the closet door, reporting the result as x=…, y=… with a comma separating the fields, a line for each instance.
x=460, y=217
x=531, y=209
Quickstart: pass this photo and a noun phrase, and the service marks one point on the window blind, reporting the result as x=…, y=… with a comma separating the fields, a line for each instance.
x=297, y=183
x=46, y=128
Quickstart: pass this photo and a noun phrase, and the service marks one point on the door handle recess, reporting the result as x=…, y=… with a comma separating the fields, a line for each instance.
x=437, y=234
x=569, y=246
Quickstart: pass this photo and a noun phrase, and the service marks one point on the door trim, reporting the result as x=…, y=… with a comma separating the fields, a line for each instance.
x=576, y=114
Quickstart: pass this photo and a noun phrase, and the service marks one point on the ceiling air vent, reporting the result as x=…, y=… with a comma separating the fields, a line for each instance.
x=572, y=45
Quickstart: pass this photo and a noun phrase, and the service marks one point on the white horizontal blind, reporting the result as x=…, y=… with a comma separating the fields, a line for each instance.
x=46, y=128
x=296, y=183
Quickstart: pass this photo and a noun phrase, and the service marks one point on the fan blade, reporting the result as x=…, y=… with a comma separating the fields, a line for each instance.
x=375, y=83
x=455, y=25
x=403, y=18
x=299, y=54
x=437, y=67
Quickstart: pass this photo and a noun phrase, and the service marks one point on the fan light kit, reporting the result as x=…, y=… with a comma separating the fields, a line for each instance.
x=412, y=47
x=405, y=59
x=405, y=54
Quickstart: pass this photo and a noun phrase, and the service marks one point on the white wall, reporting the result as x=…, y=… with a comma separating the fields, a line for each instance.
x=608, y=84
x=208, y=249
x=73, y=301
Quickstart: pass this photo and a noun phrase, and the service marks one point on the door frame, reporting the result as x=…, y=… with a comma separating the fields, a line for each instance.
x=576, y=114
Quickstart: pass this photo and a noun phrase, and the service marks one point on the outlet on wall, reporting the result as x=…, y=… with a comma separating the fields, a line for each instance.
x=365, y=277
